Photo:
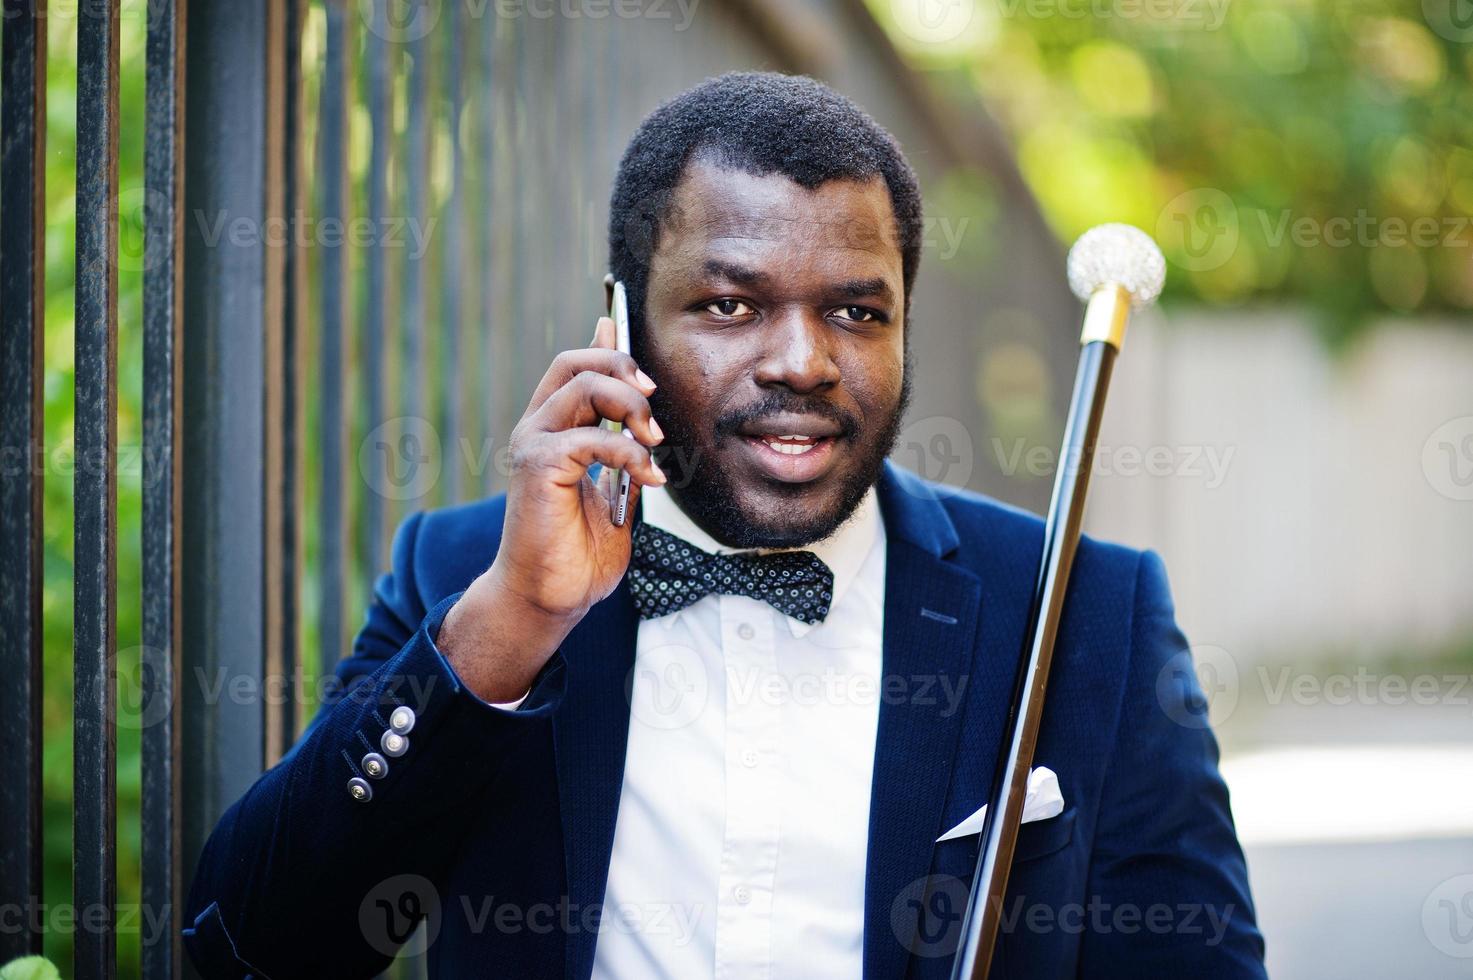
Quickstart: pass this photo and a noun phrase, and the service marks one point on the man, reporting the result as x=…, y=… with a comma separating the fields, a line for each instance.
x=724, y=741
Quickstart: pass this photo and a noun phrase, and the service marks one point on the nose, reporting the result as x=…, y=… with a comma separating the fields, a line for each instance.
x=797, y=354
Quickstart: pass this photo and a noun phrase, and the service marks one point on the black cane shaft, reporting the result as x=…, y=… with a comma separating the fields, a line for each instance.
x=981, y=922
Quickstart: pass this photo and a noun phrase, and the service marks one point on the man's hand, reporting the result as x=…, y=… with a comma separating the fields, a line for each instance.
x=560, y=551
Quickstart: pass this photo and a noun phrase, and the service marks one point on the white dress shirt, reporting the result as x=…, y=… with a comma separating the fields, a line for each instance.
x=743, y=823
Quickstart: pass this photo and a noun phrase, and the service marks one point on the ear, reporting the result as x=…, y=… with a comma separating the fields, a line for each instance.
x=609, y=292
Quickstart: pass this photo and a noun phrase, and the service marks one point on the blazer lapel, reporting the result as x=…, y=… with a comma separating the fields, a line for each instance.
x=590, y=733
x=932, y=611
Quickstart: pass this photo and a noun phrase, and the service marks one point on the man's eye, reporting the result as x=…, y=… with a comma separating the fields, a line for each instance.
x=858, y=314
x=729, y=307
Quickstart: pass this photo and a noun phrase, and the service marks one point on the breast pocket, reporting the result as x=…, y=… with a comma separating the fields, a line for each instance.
x=1044, y=837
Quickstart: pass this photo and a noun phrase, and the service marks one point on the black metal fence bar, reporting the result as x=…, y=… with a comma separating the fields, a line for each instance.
x=524, y=198
x=452, y=265
x=416, y=207
x=95, y=497
x=287, y=574
x=22, y=312
x=277, y=710
x=162, y=335
x=484, y=325
x=376, y=275
x=332, y=175
x=224, y=575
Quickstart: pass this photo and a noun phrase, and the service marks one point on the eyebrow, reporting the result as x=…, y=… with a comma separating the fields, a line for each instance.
x=732, y=272
x=849, y=289
x=860, y=288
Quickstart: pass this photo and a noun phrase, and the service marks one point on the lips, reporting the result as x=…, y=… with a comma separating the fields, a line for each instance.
x=791, y=448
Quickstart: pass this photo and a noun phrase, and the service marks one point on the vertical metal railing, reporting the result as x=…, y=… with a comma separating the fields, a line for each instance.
x=416, y=208
x=273, y=505
x=229, y=309
x=274, y=424
x=487, y=389
x=94, y=774
x=376, y=273
x=22, y=332
x=285, y=575
x=332, y=175
x=160, y=822
x=451, y=263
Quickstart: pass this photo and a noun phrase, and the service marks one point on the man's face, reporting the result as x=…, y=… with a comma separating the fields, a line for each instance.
x=774, y=327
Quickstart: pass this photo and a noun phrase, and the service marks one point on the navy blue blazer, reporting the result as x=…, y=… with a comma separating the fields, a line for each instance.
x=498, y=825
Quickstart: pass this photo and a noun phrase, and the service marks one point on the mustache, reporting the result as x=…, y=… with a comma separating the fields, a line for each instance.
x=786, y=402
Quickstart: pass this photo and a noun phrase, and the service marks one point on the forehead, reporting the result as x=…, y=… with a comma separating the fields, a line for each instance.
x=773, y=224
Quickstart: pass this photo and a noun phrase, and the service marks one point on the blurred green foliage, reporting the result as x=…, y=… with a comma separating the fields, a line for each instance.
x=29, y=968
x=1302, y=150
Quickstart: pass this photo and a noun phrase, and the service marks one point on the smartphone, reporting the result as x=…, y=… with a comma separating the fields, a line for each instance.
x=619, y=502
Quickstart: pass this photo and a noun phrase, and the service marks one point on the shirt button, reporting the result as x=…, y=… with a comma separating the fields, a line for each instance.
x=745, y=631
x=742, y=894
x=375, y=765
x=402, y=719
x=750, y=758
x=360, y=790
x=393, y=744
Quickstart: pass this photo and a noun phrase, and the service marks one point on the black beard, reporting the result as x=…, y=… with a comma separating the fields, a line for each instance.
x=710, y=499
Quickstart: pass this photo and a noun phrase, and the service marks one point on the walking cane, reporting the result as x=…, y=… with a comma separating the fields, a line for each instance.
x=1113, y=268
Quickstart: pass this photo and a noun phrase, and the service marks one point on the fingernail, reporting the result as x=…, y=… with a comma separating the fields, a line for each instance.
x=660, y=473
x=644, y=379
x=659, y=433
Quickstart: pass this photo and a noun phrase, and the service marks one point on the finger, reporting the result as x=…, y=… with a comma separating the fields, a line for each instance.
x=604, y=335
x=565, y=456
x=571, y=363
x=590, y=398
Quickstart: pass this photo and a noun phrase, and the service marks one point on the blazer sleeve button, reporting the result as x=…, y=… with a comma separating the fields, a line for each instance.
x=375, y=765
x=402, y=719
x=359, y=789
x=393, y=744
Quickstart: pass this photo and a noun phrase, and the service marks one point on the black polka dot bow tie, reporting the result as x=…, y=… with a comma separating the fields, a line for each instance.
x=667, y=573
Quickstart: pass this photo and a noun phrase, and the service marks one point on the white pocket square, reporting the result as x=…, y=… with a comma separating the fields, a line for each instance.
x=1043, y=801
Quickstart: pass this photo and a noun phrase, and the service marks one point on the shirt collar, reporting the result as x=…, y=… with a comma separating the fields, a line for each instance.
x=844, y=551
